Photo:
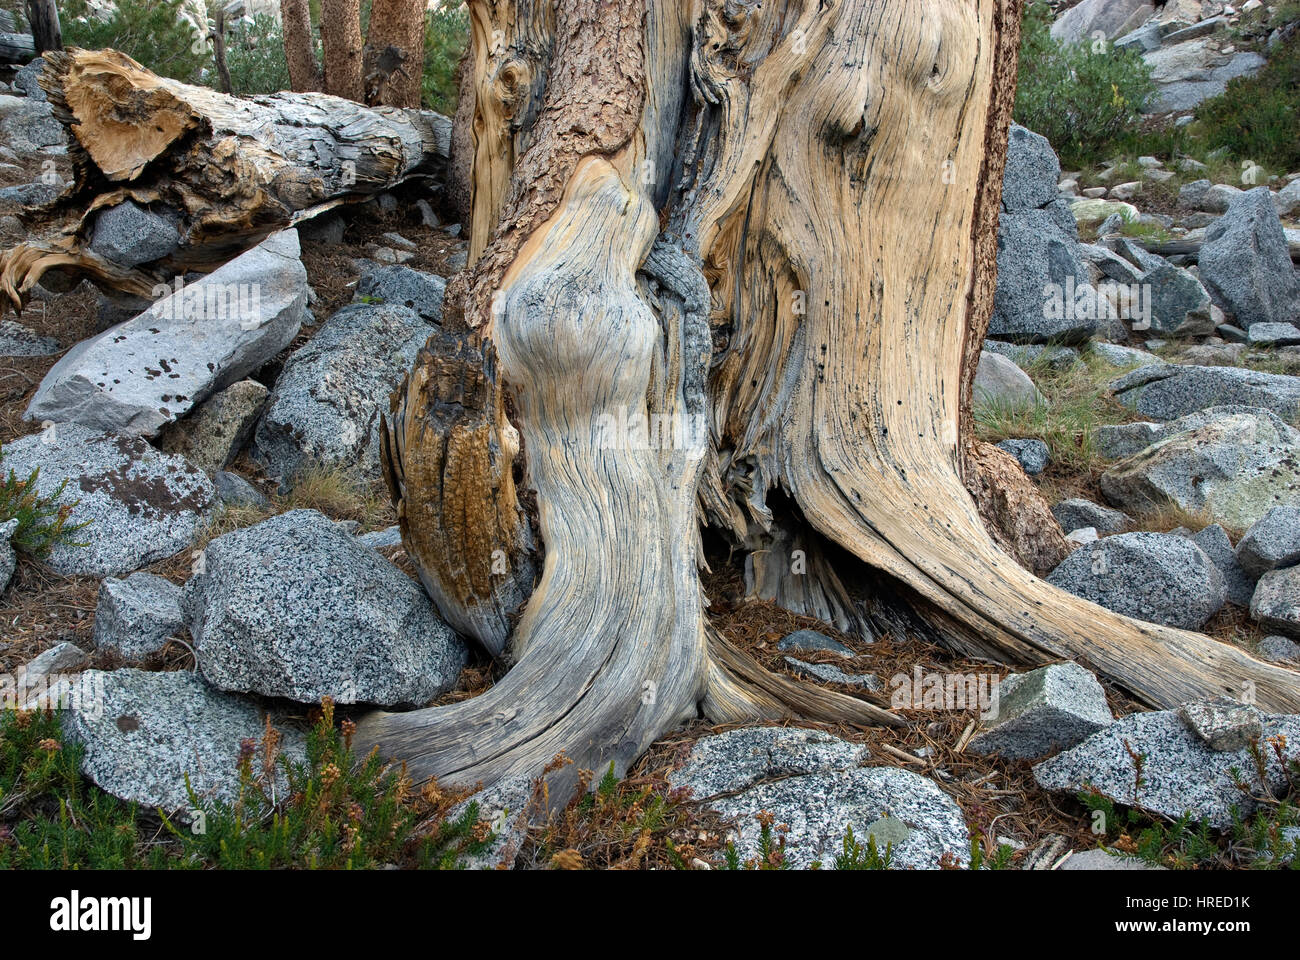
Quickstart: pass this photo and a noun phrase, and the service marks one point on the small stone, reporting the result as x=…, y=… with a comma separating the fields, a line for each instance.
x=1000, y=381
x=60, y=658
x=1081, y=537
x=1105, y=860
x=1238, y=583
x=137, y=616
x=1273, y=335
x=810, y=641
x=1032, y=454
x=1279, y=649
x=828, y=673
x=1272, y=541
x=1276, y=604
x=234, y=491
x=8, y=559
x=215, y=433
x=1051, y=708
x=1223, y=723
x=382, y=539
x=1077, y=513
x=128, y=235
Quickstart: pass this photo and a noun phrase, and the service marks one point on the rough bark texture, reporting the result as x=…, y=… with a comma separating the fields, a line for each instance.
x=394, y=54
x=232, y=170
x=340, y=35
x=299, y=53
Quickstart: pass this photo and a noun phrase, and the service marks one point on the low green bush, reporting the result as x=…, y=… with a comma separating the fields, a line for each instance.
x=1081, y=97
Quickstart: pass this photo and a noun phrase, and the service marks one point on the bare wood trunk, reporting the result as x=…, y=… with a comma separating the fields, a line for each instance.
x=230, y=170
x=43, y=15
x=16, y=48
x=802, y=254
x=394, y=54
x=299, y=53
x=340, y=34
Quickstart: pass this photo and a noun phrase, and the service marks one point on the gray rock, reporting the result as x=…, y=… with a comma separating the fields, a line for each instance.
x=324, y=231
x=1231, y=463
x=828, y=673
x=1051, y=708
x=1207, y=196
x=60, y=658
x=1155, y=577
x=1169, y=390
x=214, y=434
x=382, y=539
x=1076, y=513
x=1213, y=354
x=1144, y=38
x=137, y=616
x=1040, y=272
x=1107, y=264
x=810, y=641
x=1032, y=172
x=504, y=807
x=145, y=373
x=1232, y=334
x=1239, y=586
x=1025, y=354
x=294, y=607
x=998, y=381
x=811, y=782
x=141, y=505
x=30, y=194
x=402, y=286
x=17, y=340
x=1113, y=18
x=1273, y=541
x=142, y=733
x=26, y=80
x=1281, y=649
x=1273, y=335
x=325, y=409
x=1081, y=536
x=32, y=127
x=8, y=559
x=1223, y=723
x=1032, y=454
x=1246, y=265
x=1119, y=356
x=1276, y=604
x=1180, y=772
x=1179, y=305
x=128, y=235
x=1117, y=440
x=234, y=491
x=1104, y=860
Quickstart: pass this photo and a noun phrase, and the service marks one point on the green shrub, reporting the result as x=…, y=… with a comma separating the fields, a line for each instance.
x=151, y=32
x=1257, y=118
x=446, y=34
x=255, y=57
x=42, y=521
x=1080, y=98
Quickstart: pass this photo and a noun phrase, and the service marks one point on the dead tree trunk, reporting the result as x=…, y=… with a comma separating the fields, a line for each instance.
x=227, y=171
x=43, y=16
x=775, y=222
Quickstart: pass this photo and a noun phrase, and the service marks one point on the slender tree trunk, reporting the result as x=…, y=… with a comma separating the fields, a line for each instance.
x=299, y=52
x=395, y=52
x=776, y=222
x=340, y=33
x=43, y=16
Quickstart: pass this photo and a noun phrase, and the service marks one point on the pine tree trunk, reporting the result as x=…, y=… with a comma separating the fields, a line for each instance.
x=394, y=55
x=340, y=34
x=775, y=223
x=299, y=53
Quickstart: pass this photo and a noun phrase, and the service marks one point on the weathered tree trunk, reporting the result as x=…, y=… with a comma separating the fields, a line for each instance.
x=230, y=171
x=771, y=226
x=43, y=16
x=394, y=54
x=16, y=47
x=340, y=36
x=299, y=53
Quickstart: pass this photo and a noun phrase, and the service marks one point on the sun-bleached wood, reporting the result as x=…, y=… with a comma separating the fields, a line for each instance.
x=231, y=170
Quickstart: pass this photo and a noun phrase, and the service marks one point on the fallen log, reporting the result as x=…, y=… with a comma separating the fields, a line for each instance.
x=17, y=48
x=226, y=171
